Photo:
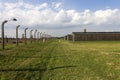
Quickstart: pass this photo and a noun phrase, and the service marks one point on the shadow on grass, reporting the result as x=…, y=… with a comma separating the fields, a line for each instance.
x=3, y=54
x=41, y=71
x=36, y=69
x=60, y=67
x=29, y=69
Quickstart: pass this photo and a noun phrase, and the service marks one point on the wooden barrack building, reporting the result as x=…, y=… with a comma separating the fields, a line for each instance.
x=92, y=36
x=85, y=36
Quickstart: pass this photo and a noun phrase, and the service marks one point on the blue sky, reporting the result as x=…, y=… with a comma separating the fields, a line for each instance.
x=92, y=4
x=77, y=4
x=60, y=17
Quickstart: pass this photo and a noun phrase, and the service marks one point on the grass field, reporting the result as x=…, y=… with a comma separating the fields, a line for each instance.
x=64, y=60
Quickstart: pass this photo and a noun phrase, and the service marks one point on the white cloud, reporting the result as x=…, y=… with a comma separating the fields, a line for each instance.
x=42, y=6
x=44, y=16
x=62, y=17
x=57, y=5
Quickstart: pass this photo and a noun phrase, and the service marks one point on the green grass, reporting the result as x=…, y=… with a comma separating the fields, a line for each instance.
x=65, y=60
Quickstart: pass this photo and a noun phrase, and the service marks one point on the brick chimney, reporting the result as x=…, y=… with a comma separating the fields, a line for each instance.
x=85, y=30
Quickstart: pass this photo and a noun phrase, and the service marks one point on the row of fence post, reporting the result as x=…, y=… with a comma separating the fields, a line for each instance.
x=39, y=35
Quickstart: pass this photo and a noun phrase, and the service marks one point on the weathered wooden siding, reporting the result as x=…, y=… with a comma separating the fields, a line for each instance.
x=84, y=36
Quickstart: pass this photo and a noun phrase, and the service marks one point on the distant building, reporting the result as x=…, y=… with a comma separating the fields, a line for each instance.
x=65, y=37
x=68, y=37
x=85, y=36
